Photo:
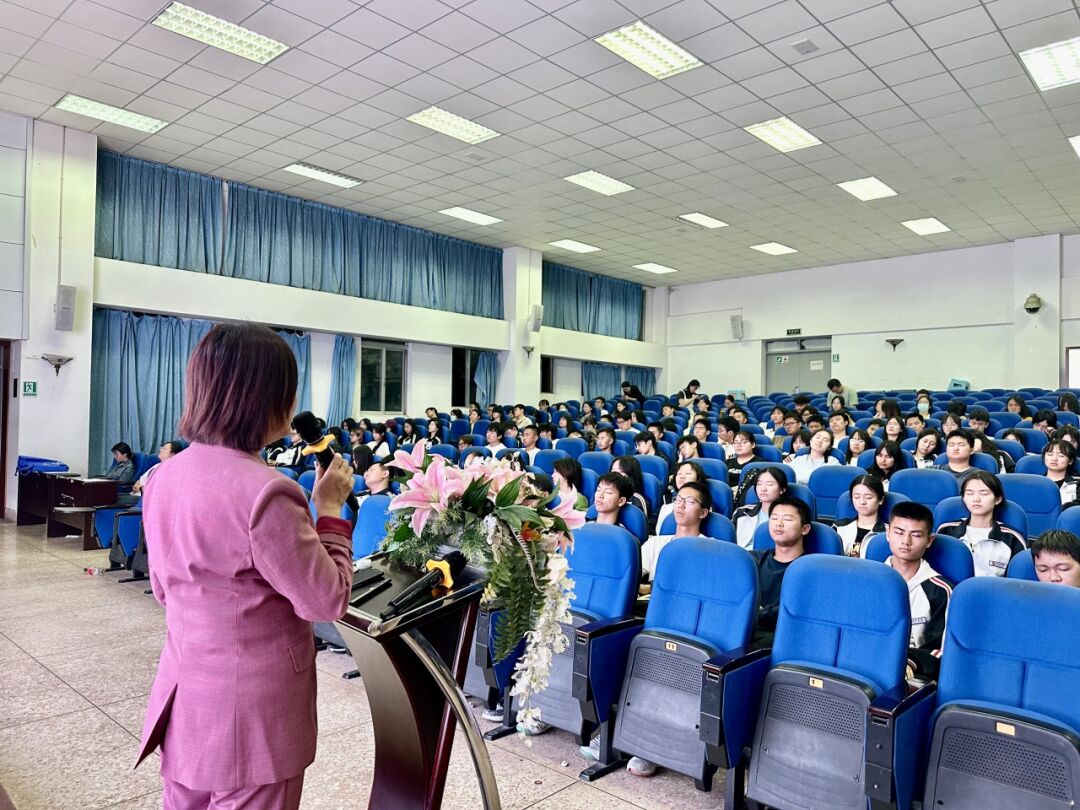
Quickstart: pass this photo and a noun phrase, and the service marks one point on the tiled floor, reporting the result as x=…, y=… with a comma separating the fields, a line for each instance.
x=78, y=654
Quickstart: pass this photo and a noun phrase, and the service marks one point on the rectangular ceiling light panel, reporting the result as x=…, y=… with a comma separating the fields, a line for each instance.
x=107, y=112
x=653, y=267
x=866, y=189
x=647, y=49
x=926, y=227
x=774, y=248
x=594, y=181
x=783, y=134
x=1054, y=65
x=325, y=175
x=218, y=33
x=453, y=125
x=577, y=247
x=701, y=220
x=470, y=216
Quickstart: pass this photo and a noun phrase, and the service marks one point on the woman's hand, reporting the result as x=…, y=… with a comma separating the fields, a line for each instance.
x=332, y=487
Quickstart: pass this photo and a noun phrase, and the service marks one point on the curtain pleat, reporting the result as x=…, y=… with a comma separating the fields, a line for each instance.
x=342, y=380
x=600, y=380
x=643, y=378
x=486, y=378
x=301, y=349
x=586, y=302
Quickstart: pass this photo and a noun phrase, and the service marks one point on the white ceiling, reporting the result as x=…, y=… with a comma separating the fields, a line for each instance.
x=927, y=95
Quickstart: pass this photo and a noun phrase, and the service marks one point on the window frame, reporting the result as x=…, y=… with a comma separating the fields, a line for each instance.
x=383, y=347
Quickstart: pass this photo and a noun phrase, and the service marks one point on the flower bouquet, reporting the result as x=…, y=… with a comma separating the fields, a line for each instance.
x=502, y=523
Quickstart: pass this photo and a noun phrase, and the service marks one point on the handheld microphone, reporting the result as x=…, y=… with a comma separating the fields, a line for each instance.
x=307, y=425
x=440, y=573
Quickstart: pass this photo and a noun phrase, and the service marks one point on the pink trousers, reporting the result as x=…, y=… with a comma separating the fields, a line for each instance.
x=277, y=796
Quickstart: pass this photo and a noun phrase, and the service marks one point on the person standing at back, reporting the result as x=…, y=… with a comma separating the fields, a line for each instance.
x=851, y=398
x=242, y=572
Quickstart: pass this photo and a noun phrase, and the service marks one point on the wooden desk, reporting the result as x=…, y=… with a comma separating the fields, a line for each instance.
x=37, y=497
x=73, y=505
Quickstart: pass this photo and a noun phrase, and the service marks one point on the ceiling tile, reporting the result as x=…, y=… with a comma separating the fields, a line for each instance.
x=458, y=32
x=371, y=29
x=336, y=48
x=502, y=15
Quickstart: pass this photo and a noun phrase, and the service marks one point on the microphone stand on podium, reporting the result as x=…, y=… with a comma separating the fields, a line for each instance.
x=413, y=664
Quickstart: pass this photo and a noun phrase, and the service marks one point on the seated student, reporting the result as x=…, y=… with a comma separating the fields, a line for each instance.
x=474, y=416
x=925, y=448
x=743, y=445
x=567, y=475
x=600, y=408
x=544, y=406
x=813, y=421
x=769, y=483
x=530, y=434
x=510, y=430
x=820, y=455
x=123, y=470
x=978, y=419
x=1045, y=420
x=356, y=437
x=923, y=405
x=895, y=430
x=411, y=432
x=362, y=458
x=858, y=441
x=1056, y=554
x=959, y=446
x=951, y=423
x=799, y=440
x=645, y=443
x=457, y=413
x=685, y=472
x=1018, y=405
x=792, y=423
x=379, y=444
x=726, y=428
x=166, y=451
x=291, y=456
x=700, y=429
x=1014, y=435
x=667, y=411
x=867, y=496
x=739, y=415
x=874, y=426
x=774, y=423
x=494, y=412
x=494, y=436
x=631, y=468
x=991, y=541
x=348, y=425
x=520, y=417
x=1068, y=402
x=692, y=504
x=957, y=407
x=909, y=533
x=565, y=423
x=838, y=426
x=432, y=435
x=789, y=523
x=613, y=491
x=605, y=440
x=888, y=460
x=547, y=431
x=701, y=406
x=464, y=442
x=984, y=444
x=837, y=403
x=915, y=421
x=656, y=429
x=1058, y=457
x=378, y=478
x=687, y=447
x=624, y=421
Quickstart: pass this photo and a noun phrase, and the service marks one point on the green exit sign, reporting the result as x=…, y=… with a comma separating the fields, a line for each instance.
x=29, y=388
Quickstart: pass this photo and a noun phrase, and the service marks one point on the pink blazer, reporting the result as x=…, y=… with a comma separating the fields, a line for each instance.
x=242, y=572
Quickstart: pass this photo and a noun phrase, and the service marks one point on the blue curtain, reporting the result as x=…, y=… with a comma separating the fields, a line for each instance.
x=643, y=378
x=155, y=214
x=600, y=379
x=137, y=380
x=342, y=380
x=486, y=378
x=586, y=302
x=301, y=349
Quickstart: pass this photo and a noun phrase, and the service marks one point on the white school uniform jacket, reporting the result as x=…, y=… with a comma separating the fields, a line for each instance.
x=992, y=555
x=804, y=465
x=849, y=531
x=747, y=519
x=928, y=595
x=650, y=553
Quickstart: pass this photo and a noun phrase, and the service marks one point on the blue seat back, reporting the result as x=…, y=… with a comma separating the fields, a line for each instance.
x=473, y=451
x=143, y=462
x=654, y=465
x=573, y=447
x=715, y=525
x=1022, y=566
x=713, y=468
x=128, y=528
x=989, y=656
x=1069, y=520
x=1034, y=440
x=946, y=555
x=459, y=428
x=822, y=539
x=980, y=461
x=800, y=491
x=767, y=453
x=589, y=480
x=605, y=566
x=665, y=449
x=480, y=427
x=713, y=450
x=1009, y=513
x=723, y=498
x=447, y=451
x=847, y=614
x=654, y=492
x=598, y=462
x=706, y=589
x=928, y=487
x=1038, y=496
x=845, y=509
x=1014, y=448
x=370, y=529
x=829, y=483
x=753, y=465
x=307, y=481
x=545, y=459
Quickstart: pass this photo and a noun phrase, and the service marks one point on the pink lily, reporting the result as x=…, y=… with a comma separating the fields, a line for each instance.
x=573, y=518
x=411, y=462
x=500, y=476
x=428, y=492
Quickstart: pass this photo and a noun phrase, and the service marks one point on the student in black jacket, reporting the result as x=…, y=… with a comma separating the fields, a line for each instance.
x=789, y=523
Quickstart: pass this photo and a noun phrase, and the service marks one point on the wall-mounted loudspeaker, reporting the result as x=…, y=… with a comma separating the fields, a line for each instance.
x=536, y=317
x=64, y=308
x=736, y=327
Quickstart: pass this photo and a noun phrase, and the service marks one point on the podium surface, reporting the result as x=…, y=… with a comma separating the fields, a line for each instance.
x=413, y=665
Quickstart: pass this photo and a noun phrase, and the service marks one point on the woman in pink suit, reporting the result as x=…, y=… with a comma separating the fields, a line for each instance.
x=242, y=572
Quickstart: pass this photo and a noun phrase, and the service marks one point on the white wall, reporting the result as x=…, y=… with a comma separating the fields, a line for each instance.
x=321, y=370
x=567, y=380
x=14, y=141
x=429, y=381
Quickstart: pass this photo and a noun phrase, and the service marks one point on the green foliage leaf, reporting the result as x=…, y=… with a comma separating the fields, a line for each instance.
x=475, y=496
x=516, y=515
x=508, y=495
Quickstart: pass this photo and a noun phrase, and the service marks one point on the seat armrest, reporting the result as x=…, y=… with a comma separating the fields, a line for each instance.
x=600, y=652
x=128, y=512
x=897, y=731
x=731, y=684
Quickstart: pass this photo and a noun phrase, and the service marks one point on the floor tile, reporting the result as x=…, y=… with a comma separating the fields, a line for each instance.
x=109, y=673
x=31, y=692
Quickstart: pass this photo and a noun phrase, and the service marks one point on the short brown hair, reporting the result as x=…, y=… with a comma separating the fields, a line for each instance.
x=241, y=381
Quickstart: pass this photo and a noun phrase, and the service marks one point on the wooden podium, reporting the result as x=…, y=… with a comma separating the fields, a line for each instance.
x=413, y=665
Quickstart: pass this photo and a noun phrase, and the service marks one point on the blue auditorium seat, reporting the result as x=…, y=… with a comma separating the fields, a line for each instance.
x=1022, y=566
x=928, y=487
x=703, y=607
x=545, y=459
x=767, y=453
x=1069, y=520
x=654, y=465
x=712, y=449
x=1005, y=734
x=1034, y=440
x=370, y=529
x=845, y=509
x=946, y=555
x=631, y=519
x=589, y=480
x=800, y=491
x=980, y=461
x=753, y=465
x=599, y=463
x=715, y=526
x=573, y=447
x=473, y=451
x=654, y=492
x=713, y=468
x=307, y=481
x=828, y=483
x=722, y=497
x=840, y=648
x=822, y=539
x=1008, y=512
x=1014, y=448
x=1038, y=496
x=447, y=451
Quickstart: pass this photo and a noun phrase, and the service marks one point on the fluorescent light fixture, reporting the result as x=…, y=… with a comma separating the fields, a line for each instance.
x=577, y=247
x=107, y=112
x=783, y=134
x=868, y=188
x=649, y=50
x=774, y=248
x=594, y=181
x=1074, y=142
x=926, y=227
x=653, y=267
x=218, y=33
x=1054, y=65
x=325, y=175
x=455, y=126
x=470, y=216
x=701, y=220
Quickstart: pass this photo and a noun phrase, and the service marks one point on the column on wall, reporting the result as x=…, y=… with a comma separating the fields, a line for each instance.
x=519, y=370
